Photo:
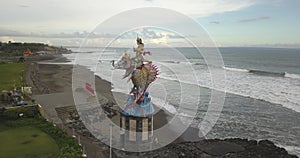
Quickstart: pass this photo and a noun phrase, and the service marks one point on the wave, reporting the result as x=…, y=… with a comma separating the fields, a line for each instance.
x=184, y=118
x=267, y=73
x=178, y=80
x=235, y=69
x=173, y=62
x=164, y=104
x=291, y=149
x=275, y=74
x=291, y=104
x=294, y=76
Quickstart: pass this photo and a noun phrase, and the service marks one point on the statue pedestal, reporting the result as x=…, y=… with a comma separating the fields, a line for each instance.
x=135, y=130
x=136, y=123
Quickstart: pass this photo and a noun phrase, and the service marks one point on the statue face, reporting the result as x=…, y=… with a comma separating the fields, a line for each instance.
x=123, y=63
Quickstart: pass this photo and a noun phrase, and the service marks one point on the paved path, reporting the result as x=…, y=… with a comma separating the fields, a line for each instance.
x=50, y=101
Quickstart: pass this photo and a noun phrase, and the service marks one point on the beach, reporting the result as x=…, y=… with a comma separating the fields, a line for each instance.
x=261, y=104
x=52, y=88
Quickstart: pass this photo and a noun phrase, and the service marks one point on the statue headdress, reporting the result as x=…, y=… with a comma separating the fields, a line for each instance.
x=138, y=39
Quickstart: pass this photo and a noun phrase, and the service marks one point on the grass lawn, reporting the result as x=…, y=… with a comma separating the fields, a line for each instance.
x=10, y=73
x=34, y=138
x=26, y=142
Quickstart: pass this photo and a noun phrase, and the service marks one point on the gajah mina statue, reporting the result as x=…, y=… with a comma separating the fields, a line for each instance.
x=142, y=73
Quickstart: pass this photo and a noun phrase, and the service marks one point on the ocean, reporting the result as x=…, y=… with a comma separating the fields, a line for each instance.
x=262, y=88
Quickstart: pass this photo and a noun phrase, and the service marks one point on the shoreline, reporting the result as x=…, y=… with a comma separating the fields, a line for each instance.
x=61, y=82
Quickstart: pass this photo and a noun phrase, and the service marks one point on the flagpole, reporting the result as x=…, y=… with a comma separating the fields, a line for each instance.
x=110, y=141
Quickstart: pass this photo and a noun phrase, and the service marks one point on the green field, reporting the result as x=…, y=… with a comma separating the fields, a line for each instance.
x=10, y=74
x=34, y=138
x=27, y=142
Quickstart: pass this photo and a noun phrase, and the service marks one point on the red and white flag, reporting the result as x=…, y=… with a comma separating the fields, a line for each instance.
x=89, y=88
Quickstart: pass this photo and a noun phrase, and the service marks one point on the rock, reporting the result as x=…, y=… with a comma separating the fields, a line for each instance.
x=216, y=148
x=266, y=143
x=220, y=148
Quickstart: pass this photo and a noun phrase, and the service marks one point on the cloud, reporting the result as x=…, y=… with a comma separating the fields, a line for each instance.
x=254, y=19
x=23, y=5
x=152, y=36
x=144, y=33
x=12, y=33
x=84, y=15
x=6, y=32
x=6, y=38
x=202, y=8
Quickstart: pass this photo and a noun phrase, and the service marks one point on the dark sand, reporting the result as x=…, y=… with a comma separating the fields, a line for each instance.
x=52, y=88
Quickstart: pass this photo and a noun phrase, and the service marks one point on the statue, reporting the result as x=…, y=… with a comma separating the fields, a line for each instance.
x=142, y=73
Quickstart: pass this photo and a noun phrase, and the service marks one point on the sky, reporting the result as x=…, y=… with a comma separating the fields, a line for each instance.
x=266, y=23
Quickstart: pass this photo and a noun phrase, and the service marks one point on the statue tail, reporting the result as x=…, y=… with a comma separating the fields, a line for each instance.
x=153, y=73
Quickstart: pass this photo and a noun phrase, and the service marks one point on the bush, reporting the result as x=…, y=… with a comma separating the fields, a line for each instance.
x=28, y=112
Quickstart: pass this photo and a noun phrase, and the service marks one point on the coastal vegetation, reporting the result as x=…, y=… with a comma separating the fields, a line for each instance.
x=30, y=135
x=17, y=49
